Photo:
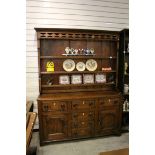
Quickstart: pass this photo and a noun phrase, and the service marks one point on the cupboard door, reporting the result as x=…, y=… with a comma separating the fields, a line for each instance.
x=55, y=127
x=108, y=119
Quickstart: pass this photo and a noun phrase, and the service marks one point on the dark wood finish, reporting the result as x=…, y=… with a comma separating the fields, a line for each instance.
x=79, y=115
x=116, y=152
x=124, y=78
x=75, y=111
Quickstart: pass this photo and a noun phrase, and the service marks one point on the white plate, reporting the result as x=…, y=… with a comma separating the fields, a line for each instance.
x=80, y=66
x=91, y=65
x=69, y=65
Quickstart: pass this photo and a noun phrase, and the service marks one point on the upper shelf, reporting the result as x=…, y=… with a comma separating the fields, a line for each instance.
x=77, y=57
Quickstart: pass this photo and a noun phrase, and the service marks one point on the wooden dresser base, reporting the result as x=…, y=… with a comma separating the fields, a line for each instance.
x=75, y=116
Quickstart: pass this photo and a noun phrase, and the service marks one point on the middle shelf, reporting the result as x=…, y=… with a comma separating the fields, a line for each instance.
x=76, y=72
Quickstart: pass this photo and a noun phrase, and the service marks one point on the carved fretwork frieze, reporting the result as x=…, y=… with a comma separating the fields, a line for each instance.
x=74, y=35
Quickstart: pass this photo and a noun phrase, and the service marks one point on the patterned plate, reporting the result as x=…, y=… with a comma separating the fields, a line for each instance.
x=91, y=65
x=80, y=66
x=69, y=65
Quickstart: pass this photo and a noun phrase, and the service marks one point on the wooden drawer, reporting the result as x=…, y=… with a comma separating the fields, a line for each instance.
x=86, y=132
x=82, y=124
x=108, y=102
x=49, y=106
x=83, y=104
x=81, y=116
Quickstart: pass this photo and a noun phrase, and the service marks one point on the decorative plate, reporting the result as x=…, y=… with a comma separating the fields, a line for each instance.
x=64, y=79
x=80, y=66
x=91, y=65
x=68, y=65
x=88, y=78
x=76, y=79
x=100, y=78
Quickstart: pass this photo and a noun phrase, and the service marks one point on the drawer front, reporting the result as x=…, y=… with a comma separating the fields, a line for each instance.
x=82, y=132
x=83, y=104
x=54, y=106
x=82, y=124
x=108, y=101
x=81, y=116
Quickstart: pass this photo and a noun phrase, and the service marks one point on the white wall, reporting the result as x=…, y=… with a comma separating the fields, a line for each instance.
x=81, y=14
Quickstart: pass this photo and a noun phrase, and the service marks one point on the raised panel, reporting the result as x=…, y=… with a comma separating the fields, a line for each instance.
x=108, y=119
x=55, y=127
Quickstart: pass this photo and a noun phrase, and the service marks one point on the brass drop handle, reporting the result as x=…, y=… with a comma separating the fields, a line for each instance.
x=62, y=107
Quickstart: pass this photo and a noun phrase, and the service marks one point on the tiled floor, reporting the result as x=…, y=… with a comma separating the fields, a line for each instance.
x=82, y=147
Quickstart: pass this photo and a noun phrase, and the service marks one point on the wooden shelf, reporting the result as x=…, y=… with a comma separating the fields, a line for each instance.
x=76, y=72
x=77, y=57
x=76, y=85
